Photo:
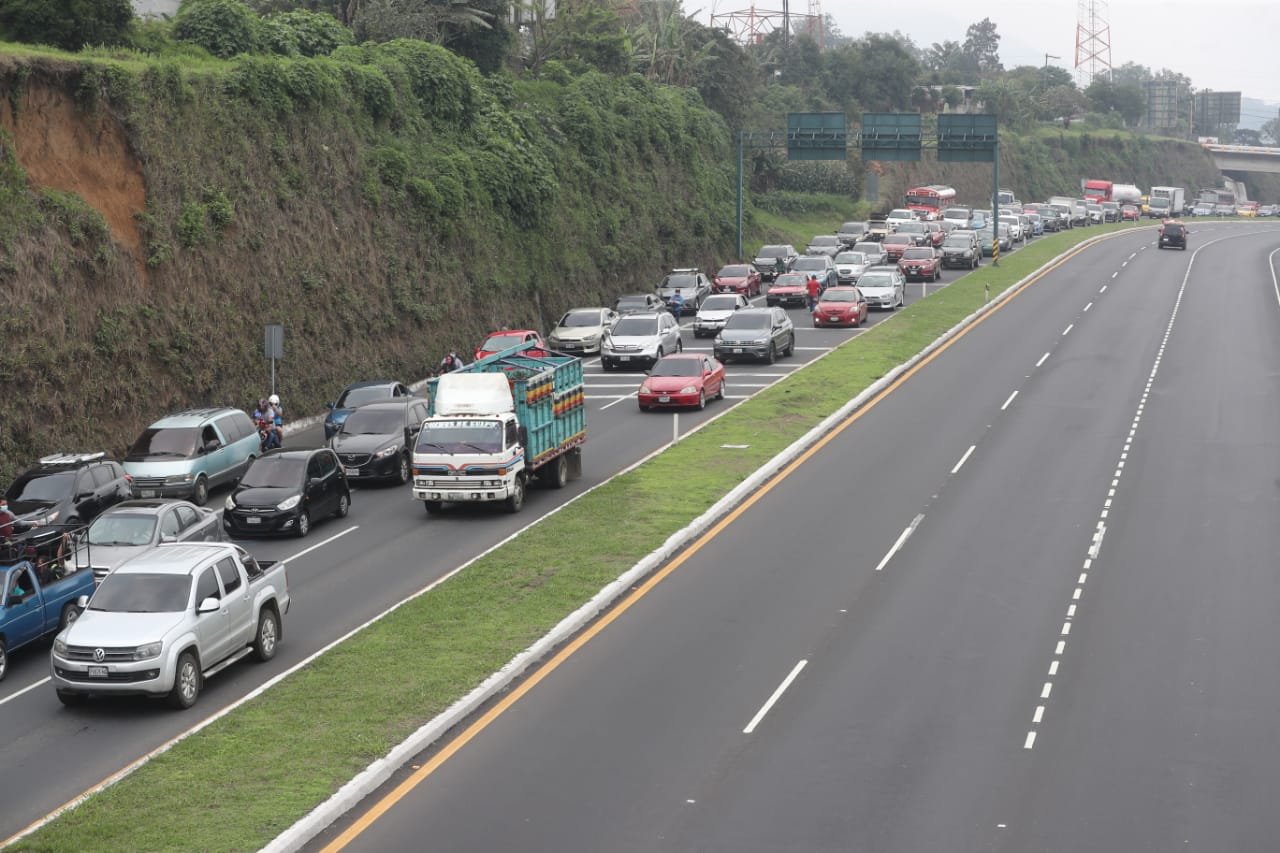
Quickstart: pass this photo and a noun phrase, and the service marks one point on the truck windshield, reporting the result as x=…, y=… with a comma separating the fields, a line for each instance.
x=460, y=437
x=142, y=593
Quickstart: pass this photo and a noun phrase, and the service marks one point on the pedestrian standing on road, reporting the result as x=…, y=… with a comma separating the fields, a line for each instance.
x=814, y=289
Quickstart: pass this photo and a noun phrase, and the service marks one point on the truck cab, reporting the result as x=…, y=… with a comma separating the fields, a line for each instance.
x=40, y=585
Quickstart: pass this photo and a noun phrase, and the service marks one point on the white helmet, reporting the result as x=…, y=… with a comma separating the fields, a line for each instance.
x=274, y=399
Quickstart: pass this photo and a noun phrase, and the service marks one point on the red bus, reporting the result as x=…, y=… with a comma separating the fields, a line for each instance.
x=930, y=200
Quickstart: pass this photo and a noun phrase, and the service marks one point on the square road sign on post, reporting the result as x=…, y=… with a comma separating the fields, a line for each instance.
x=817, y=136
x=891, y=136
x=966, y=138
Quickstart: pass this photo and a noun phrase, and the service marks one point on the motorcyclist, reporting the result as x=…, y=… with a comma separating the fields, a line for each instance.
x=449, y=363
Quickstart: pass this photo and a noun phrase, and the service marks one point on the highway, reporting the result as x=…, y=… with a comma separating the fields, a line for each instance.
x=1022, y=603
x=344, y=574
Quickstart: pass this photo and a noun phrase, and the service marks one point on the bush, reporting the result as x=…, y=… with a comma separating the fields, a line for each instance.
x=68, y=24
x=225, y=28
x=309, y=33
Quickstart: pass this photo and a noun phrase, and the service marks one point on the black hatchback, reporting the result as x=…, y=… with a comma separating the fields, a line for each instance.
x=284, y=491
x=1172, y=235
x=376, y=441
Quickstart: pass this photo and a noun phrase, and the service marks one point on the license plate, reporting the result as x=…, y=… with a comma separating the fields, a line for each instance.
x=455, y=496
x=97, y=672
x=737, y=349
x=352, y=472
x=624, y=358
x=148, y=493
x=253, y=519
x=664, y=399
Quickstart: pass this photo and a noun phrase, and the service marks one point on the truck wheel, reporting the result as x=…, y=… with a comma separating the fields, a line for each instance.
x=4, y=659
x=186, y=682
x=71, y=700
x=516, y=501
x=264, y=642
x=200, y=491
x=433, y=507
x=558, y=474
x=302, y=526
x=70, y=613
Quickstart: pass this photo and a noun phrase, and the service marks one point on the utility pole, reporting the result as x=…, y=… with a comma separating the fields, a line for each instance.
x=1044, y=72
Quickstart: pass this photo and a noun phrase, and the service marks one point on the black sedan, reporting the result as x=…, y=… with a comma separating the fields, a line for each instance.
x=376, y=441
x=285, y=490
x=131, y=527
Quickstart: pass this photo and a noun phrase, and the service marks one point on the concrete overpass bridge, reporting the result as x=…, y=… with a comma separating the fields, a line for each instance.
x=1245, y=158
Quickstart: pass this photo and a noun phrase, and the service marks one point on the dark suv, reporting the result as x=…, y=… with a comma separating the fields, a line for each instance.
x=67, y=489
x=1172, y=235
x=376, y=440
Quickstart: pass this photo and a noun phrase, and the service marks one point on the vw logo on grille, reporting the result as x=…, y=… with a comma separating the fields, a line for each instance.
x=99, y=655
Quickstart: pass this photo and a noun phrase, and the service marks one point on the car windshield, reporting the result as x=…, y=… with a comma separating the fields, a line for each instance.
x=682, y=280
x=677, y=367
x=824, y=240
x=851, y=258
x=353, y=397
x=774, y=252
x=956, y=213
x=274, y=472
x=44, y=488
x=635, y=327
x=868, y=248
x=720, y=302
x=177, y=442
x=739, y=271
x=633, y=302
x=460, y=436
x=374, y=421
x=142, y=593
x=917, y=254
x=912, y=228
x=875, y=280
x=495, y=343
x=839, y=296
x=578, y=319
x=130, y=528
x=900, y=213
x=900, y=239
x=807, y=264
x=957, y=243
x=789, y=280
x=745, y=320
x=853, y=228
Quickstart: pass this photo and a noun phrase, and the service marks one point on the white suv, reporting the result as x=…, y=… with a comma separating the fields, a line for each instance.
x=639, y=340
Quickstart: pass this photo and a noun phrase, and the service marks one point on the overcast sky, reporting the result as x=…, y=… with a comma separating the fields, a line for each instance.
x=1224, y=45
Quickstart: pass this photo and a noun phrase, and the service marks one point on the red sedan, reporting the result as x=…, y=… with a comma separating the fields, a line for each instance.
x=896, y=244
x=788, y=288
x=508, y=338
x=682, y=379
x=921, y=264
x=1130, y=213
x=840, y=306
x=738, y=278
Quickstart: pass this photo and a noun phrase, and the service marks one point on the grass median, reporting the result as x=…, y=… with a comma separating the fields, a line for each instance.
x=247, y=777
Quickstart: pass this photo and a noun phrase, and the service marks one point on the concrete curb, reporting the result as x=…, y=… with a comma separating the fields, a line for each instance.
x=378, y=773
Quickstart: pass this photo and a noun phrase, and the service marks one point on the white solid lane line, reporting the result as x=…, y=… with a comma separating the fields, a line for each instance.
x=777, y=694
x=902, y=539
x=26, y=689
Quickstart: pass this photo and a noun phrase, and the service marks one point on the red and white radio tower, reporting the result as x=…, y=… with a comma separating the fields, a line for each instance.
x=1093, y=42
x=749, y=26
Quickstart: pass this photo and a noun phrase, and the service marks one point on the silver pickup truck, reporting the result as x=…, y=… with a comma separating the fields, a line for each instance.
x=167, y=619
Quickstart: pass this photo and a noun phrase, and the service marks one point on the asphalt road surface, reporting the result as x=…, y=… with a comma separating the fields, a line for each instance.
x=345, y=573
x=1026, y=602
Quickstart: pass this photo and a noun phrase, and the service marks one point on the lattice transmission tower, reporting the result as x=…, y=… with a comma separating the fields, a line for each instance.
x=751, y=25
x=1093, y=41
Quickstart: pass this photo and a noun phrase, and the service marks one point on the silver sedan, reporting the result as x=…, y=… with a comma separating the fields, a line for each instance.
x=131, y=527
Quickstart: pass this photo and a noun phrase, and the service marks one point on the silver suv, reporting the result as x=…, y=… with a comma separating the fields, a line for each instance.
x=758, y=333
x=639, y=340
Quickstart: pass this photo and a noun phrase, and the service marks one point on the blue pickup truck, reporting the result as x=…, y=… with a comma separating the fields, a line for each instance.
x=39, y=597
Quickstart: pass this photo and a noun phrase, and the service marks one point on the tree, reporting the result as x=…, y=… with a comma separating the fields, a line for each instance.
x=1060, y=102
x=1125, y=99
x=435, y=21
x=1271, y=131
x=68, y=24
x=225, y=28
x=589, y=34
x=887, y=73
x=950, y=62
x=982, y=43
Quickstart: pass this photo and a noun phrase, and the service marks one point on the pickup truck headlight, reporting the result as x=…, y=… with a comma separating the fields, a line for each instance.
x=289, y=503
x=231, y=502
x=148, y=651
x=59, y=647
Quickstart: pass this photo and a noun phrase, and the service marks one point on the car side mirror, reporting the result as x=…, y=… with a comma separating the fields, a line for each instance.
x=167, y=537
x=209, y=605
x=82, y=602
x=315, y=481
x=331, y=405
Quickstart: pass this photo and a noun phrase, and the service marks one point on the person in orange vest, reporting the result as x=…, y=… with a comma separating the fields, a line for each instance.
x=814, y=289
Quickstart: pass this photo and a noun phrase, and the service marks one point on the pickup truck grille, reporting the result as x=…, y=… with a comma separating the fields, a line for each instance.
x=110, y=654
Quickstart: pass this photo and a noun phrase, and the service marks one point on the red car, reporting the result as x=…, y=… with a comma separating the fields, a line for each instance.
x=508, y=338
x=840, y=306
x=920, y=264
x=788, y=288
x=896, y=244
x=936, y=234
x=682, y=379
x=737, y=278
x=1130, y=213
